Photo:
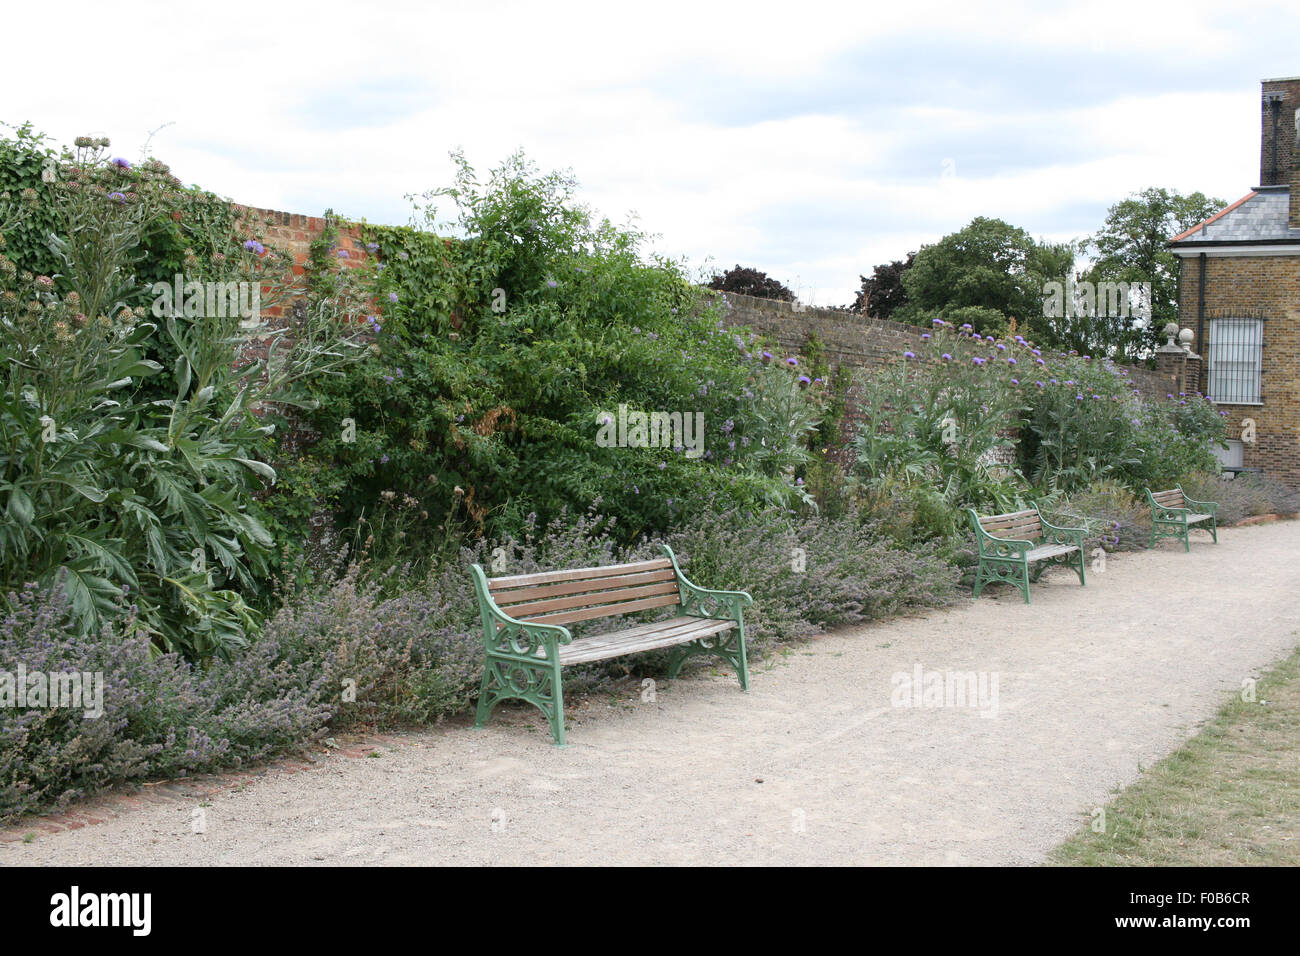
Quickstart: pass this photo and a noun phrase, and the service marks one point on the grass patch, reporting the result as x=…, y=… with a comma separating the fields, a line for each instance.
x=1230, y=796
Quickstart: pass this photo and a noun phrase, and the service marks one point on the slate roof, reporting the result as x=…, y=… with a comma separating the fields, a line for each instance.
x=1259, y=216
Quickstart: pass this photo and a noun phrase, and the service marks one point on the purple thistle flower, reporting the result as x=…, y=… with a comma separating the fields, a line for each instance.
x=117, y=197
x=252, y=245
x=946, y=357
x=792, y=361
x=392, y=297
x=909, y=355
x=121, y=163
x=1011, y=361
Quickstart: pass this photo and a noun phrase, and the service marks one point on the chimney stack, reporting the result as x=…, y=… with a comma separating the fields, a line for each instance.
x=1278, y=151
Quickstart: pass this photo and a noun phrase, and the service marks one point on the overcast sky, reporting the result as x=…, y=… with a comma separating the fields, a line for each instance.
x=811, y=140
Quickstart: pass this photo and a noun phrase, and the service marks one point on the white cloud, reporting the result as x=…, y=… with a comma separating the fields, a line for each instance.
x=315, y=105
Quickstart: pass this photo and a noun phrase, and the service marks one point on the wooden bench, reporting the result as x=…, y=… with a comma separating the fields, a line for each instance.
x=1173, y=514
x=527, y=643
x=1009, y=544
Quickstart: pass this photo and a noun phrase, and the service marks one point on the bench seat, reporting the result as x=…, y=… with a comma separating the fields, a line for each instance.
x=645, y=637
x=1049, y=551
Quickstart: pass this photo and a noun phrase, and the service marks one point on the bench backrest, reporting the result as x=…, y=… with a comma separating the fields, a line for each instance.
x=1170, y=499
x=1025, y=525
x=563, y=597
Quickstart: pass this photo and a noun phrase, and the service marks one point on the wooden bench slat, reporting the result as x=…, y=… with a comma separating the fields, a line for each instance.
x=607, y=610
x=537, y=592
x=579, y=574
x=533, y=610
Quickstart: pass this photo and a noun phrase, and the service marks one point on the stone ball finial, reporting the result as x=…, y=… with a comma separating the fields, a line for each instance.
x=1185, y=338
x=1171, y=329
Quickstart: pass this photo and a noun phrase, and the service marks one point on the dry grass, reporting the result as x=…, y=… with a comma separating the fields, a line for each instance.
x=1229, y=797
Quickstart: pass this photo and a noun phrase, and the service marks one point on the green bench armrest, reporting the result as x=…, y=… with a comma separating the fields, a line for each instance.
x=1208, y=506
x=1056, y=534
x=705, y=602
x=514, y=636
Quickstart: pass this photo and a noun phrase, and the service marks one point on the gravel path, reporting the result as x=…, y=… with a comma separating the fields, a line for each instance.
x=814, y=765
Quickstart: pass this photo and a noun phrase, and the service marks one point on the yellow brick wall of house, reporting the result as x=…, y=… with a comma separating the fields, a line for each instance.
x=1266, y=287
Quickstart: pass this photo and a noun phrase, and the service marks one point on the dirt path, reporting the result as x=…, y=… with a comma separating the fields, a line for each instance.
x=813, y=765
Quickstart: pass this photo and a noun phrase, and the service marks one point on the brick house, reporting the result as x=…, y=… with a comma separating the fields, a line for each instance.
x=1240, y=295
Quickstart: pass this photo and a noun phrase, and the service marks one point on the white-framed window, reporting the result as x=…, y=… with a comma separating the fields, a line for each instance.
x=1236, y=357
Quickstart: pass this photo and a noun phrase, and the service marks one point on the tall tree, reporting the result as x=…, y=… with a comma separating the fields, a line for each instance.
x=990, y=274
x=882, y=293
x=1130, y=247
x=747, y=281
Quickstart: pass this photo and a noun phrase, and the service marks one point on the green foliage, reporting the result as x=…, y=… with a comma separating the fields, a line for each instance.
x=989, y=274
x=938, y=424
x=939, y=420
x=113, y=484
x=501, y=355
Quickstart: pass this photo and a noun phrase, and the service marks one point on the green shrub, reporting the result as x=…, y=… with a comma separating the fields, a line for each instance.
x=106, y=481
